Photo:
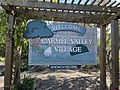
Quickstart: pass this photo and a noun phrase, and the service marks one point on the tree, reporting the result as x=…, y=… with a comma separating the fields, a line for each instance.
x=3, y=28
x=19, y=42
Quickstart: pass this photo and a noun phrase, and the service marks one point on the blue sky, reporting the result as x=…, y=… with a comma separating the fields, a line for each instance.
x=83, y=1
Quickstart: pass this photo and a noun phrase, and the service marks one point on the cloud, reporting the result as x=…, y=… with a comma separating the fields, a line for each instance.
x=37, y=28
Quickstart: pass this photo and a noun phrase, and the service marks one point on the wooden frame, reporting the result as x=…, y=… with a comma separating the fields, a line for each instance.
x=63, y=6
x=115, y=54
x=103, y=57
x=88, y=12
x=96, y=13
x=9, y=53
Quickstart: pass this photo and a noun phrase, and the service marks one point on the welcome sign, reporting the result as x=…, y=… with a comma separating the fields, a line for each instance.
x=60, y=44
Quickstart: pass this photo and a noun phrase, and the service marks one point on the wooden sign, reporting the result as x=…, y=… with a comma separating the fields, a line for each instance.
x=61, y=44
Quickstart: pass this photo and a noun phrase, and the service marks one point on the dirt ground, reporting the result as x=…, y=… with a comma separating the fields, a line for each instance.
x=64, y=80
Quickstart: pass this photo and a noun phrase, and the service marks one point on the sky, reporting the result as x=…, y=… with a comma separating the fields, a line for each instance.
x=75, y=1
x=83, y=1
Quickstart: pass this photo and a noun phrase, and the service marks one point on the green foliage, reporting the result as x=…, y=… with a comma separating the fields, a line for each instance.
x=19, y=28
x=98, y=51
x=18, y=32
x=3, y=28
x=24, y=66
x=15, y=87
x=19, y=42
x=26, y=84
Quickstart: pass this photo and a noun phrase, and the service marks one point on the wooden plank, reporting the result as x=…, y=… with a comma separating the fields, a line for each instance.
x=65, y=1
x=107, y=21
x=112, y=3
x=93, y=2
x=63, y=6
x=103, y=58
x=17, y=67
x=115, y=55
x=76, y=17
x=100, y=2
x=58, y=1
x=117, y=4
x=72, y=1
x=62, y=14
x=63, y=19
x=79, y=1
x=9, y=54
x=107, y=2
x=86, y=2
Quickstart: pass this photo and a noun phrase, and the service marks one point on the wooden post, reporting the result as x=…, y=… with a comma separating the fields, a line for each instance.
x=9, y=53
x=115, y=55
x=17, y=67
x=103, y=57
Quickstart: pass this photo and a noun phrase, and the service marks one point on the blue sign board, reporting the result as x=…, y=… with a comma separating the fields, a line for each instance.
x=61, y=44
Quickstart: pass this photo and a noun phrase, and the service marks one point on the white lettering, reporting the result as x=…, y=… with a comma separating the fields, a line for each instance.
x=66, y=26
x=68, y=49
x=65, y=41
x=54, y=41
x=81, y=41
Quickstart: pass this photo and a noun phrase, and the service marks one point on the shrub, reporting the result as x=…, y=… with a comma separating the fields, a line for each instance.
x=24, y=67
x=27, y=83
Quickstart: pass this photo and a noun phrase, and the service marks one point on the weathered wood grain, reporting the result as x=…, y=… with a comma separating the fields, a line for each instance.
x=60, y=6
x=115, y=54
x=9, y=54
x=103, y=57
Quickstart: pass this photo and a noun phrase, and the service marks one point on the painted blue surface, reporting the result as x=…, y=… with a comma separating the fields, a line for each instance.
x=68, y=27
x=37, y=28
x=61, y=44
x=83, y=49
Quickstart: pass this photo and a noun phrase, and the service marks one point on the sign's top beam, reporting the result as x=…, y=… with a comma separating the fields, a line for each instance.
x=61, y=6
x=75, y=10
